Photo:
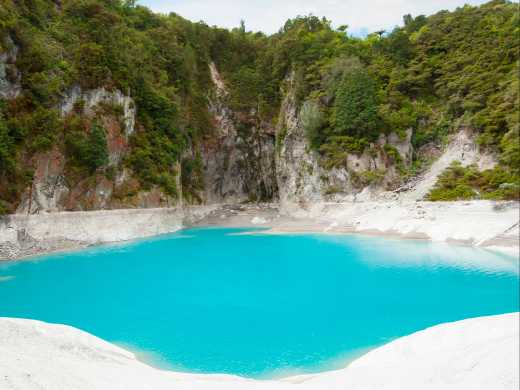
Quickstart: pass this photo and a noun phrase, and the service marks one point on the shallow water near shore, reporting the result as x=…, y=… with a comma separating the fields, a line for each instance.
x=210, y=300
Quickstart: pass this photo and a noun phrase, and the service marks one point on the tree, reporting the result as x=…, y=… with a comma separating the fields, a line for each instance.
x=97, y=151
x=511, y=150
x=313, y=121
x=355, y=106
x=6, y=155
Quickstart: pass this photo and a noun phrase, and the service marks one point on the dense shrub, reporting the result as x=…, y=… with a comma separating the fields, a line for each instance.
x=313, y=120
x=460, y=183
x=86, y=151
x=355, y=107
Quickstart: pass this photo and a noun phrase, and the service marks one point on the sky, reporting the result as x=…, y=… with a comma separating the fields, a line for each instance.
x=362, y=16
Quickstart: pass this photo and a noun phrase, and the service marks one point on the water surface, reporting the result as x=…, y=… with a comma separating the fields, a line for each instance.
x=214, y=300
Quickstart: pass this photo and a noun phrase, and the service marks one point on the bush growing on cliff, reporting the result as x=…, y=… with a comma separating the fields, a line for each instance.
x=462, y=183
x=192, y=178
x=7, y=162
x=97, y=151
x=313, y=121
x=511, y=150
x=86, y=151
x=355, y=107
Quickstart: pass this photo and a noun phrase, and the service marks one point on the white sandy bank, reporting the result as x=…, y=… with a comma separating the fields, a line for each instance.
x=480, y=353
x=481, y=223
x=494, y=225
x=28, y=234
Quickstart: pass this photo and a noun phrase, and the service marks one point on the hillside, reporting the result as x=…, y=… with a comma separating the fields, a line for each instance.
x=105, y=105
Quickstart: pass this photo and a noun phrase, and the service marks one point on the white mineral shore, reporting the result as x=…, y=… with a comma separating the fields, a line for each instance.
x=492, y=225
x=479, y=353
x=29, y=234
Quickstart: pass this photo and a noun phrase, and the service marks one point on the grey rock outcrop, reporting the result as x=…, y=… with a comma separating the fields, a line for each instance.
x=239, y=160
x=302, y=178
x=297, y=169
x=10, y=77
x=92, y=98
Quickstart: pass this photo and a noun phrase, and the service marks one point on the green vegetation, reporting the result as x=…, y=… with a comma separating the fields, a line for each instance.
x=85, y=146
x=432, y=75
x=192, y=178
x=460, y=183
x=355, y=107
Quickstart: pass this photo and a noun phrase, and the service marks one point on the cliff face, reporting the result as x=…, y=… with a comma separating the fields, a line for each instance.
x=297, y=168
x=9, y=75
x=303, y=178
x=239, y=162
x=54, y=187
x=244, y=160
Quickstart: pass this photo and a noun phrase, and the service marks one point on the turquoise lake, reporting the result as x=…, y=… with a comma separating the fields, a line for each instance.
x=217, y=300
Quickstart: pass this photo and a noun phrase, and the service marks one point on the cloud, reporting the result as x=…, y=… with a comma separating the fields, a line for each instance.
x=269, y=15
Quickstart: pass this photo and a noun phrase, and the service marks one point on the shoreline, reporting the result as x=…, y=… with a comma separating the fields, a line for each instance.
x=486, y=357
x=488, y=225
x=469, y=353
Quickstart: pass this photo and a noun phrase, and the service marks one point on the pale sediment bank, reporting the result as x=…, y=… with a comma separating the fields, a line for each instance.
x=24, y=235
x=492, y=225
x=485, y=224
x=480, y=353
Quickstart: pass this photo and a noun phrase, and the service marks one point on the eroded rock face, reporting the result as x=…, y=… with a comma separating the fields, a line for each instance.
x=244, y=160
x=10, y=77
x=92, y=98
x=462, y=147
x=302, y=178
x=49, y=190
x=297, y=169
x=24, y=235
x=53, y=190
x=239, y=160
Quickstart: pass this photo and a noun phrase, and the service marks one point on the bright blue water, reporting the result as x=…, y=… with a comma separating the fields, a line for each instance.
x=212, y=300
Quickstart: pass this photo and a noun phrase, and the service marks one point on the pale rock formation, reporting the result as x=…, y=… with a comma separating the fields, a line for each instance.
x=10, y=77
x=238, y=165
x=297, y=168
x=92, y=98
x=303, y=181
x=481, y=223
x=475, y=354
x=24, y=235
x=461, y=147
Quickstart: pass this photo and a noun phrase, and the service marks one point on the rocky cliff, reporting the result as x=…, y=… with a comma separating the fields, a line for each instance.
x=239, y=162
x=303, y=177
x=9, y=75
x=55, y=187
x=245, y=160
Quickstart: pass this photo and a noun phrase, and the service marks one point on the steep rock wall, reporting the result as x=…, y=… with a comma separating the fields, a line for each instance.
x=239, y=159
x=244, y=160
x=302, y=178
x=297, y=170
x=52, y=188
x=10, y=77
